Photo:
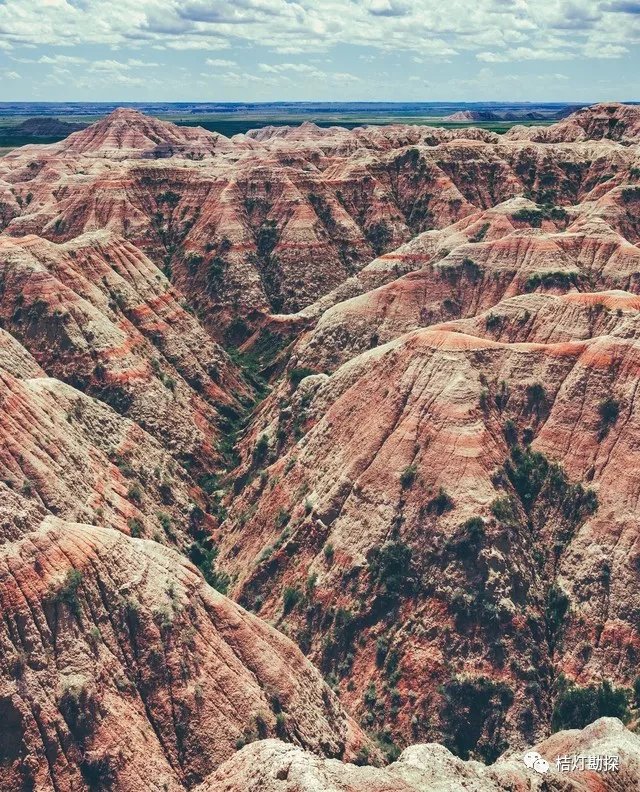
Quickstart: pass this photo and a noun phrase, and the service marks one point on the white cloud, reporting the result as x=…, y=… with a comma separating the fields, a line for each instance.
x=220, y=63
x=523, y=54
x=302, y=33
x=495, y=29
x=136, y=63
x=109, y=66
x=283, y=67
x=605, y=51
x=60, y=59
x=209, y=43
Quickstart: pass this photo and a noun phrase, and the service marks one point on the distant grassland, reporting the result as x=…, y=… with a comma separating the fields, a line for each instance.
x=229, y=124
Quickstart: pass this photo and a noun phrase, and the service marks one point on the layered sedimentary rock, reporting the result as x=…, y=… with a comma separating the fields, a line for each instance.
x=99, y=315
x=437, y=500
x=122, y=669
x=429, y=493
x=268, y=222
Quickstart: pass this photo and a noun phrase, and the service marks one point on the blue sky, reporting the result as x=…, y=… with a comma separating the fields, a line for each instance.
x=320, y=50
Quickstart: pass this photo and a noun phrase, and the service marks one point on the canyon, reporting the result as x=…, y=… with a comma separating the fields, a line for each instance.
x=319, y=456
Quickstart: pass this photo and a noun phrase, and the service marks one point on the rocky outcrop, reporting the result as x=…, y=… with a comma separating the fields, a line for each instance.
x=472, y=115
x=405, y=464
x=122, y=669
x=271, y=766
x=99, y=315
x=605, y=121
x=125, y=133
x=269, y=222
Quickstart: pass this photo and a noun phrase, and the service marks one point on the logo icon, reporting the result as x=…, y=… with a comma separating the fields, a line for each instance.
x=534, y=761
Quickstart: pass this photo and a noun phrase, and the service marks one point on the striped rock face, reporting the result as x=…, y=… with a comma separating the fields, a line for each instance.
x=376, y=386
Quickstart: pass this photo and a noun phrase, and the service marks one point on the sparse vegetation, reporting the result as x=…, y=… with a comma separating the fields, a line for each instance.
x=296, y=375
x=630, y=194
x=134, y=493
x=204, y=557
x=480, y=233
x=408, y=476
x=441, y=503
x=576, y=707
x=135, y=527
x=291, y=596
x=536, y=400
x=609, y=410
x=473, y=714
x=67, y=592
x=557, y=279
x=260, y=451
x=467, y=541
x=493, y=321
x=378, y=236
x=390, y=572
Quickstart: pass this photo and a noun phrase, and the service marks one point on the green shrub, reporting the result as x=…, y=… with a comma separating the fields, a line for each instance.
x=441, y=503
x=99, y=772
x=630, y=194
x=469, y=538
x=135, y=527
x=215, y=274
x=134, y=493
x=79, y=709
x=169, y=197
x=472, y=715
x=204, y=558
x=609, y=410
x=382, y=648
x=67, y=593
x=532, y=216
x=550, y=280
x=363, y=756
x=536, y=397
x=370, y=696
x=480, y=234
x=260, y=451
x=493, y=321
x=165, y=521
x=291, y=596
x=505, y=510
x=408, y=476
x=527, y=471
x=556, y=610
x=262, y=726
x=296, y=375
x=282, y=518
x=510, y=432
x=378, y=236
x=193, y=261
x=577, y=707
x=390, y=571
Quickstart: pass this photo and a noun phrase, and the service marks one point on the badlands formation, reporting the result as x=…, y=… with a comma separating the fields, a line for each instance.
x=319, y=457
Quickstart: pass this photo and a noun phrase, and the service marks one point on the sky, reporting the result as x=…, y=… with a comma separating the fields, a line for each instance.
x=319, y=50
